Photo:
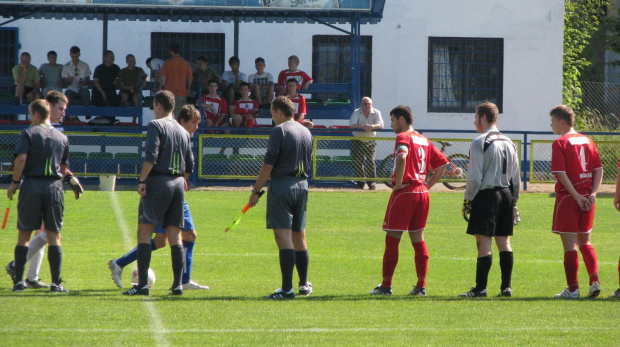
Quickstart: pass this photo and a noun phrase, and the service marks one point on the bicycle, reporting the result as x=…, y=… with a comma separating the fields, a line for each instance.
x=455, y=176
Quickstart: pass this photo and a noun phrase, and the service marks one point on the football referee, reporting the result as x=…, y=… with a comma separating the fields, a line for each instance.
x=168, y=161
x=287, y=162
x=491, y=195
x=41, y=159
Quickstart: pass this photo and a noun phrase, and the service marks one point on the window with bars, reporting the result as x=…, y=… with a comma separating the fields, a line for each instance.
x=8, y=55
x=331, y=60
x=464, y=72
x=193, y=45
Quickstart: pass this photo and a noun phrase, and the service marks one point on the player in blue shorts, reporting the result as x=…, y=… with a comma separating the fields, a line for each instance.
x=189, y=118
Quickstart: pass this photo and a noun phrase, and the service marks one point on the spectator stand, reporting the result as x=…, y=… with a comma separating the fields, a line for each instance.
x=16, y=112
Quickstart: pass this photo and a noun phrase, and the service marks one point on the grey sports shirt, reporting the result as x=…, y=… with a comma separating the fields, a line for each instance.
x=168, y=147
x=289, y=150
x=46, y=149
x=493, y=162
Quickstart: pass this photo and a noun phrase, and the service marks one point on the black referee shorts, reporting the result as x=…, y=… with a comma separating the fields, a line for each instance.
x=491, y=213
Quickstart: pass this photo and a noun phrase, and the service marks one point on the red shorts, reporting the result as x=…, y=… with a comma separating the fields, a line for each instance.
x=568, y=216
x=216, y=120
x=407, y=210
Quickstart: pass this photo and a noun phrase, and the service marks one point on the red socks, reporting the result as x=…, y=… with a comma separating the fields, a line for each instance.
x=390, y=259
x=589, y=257
x=571, y=266
x=421, y=262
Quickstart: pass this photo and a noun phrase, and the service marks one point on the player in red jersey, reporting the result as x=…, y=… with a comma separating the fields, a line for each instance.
x=299, y=102
x=616, y=294
x=407, y=210
x=576, y=164
x=215, y=107
x=243, y=112
x=302, y=78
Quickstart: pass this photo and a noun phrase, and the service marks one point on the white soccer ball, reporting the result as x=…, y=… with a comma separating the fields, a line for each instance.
x=150, y=281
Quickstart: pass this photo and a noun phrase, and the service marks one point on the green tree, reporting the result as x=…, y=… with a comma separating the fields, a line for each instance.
x=582, y=19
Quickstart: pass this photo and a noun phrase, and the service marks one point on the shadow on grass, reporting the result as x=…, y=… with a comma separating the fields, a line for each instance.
x=116, y=294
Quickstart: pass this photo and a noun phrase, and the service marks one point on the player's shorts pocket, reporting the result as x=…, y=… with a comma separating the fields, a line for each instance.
x=57, y=194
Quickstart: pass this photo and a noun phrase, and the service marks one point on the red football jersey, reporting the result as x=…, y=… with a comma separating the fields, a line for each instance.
x=577, y=156
x=422, y=155
x=244, y=107
x=218, y=104
x=299, y=103
x=299, y=75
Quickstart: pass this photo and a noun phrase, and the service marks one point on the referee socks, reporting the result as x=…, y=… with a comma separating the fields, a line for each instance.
x=21, y=253
x=54, y=256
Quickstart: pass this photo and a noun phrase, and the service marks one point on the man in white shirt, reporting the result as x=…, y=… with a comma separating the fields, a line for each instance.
x=76, y=76
x=367, y=119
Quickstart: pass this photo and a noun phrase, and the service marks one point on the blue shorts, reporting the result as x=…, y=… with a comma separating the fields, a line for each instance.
x=188, y=222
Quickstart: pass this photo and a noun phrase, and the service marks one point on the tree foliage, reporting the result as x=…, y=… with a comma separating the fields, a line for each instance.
x=582, y=19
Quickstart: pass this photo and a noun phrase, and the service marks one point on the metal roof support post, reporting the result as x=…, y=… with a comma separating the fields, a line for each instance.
x=236, y=37
x=105, y=32
x=355, y=61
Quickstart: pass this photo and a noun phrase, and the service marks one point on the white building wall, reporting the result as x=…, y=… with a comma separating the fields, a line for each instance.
x=532, y=32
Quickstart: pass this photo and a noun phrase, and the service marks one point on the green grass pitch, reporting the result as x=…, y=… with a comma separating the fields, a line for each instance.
x=346, y=247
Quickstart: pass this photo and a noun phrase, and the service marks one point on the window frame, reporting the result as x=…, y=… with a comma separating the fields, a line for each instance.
x=477, y=65
x=340, y=71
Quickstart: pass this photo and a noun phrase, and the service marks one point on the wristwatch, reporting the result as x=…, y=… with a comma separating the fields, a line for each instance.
x=254, y=191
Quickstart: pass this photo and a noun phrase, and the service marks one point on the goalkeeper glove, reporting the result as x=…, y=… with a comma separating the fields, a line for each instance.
x=75, y=185
x=516, y=218
x=466, y=210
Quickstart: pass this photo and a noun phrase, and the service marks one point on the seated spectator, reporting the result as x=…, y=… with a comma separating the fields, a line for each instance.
x=76, y=76
x=155, y=65
x=302, y=78
x=214, y=106
x=51, y=78
x=27, y=80
x=131, y=80
x=261, y=84
x=299, y=102
x=232, y=79
x=105, y=81
x=201, y=76
x=243, y=112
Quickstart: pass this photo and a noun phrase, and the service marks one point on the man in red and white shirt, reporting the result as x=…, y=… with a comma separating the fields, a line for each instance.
x=302, y=78
x=299, y=102
x=214, y=106
x=407, y=210
x=243, y=112
x=576, y=164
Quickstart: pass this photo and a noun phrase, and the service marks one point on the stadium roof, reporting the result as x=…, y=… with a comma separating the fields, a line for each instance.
x=370, y=13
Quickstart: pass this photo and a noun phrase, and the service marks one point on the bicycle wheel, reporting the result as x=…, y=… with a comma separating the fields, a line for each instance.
x=385, y=170
x=455, y=176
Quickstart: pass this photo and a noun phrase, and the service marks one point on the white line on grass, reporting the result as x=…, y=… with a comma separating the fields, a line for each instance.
x=157, y=325
x=307, y=330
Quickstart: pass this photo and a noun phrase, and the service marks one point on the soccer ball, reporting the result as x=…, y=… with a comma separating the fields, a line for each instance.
x=135, y=279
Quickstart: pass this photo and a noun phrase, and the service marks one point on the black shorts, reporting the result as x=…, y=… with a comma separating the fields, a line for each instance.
x=491, y=213
x=40, y=199
x=286, y=204
x=163, y=203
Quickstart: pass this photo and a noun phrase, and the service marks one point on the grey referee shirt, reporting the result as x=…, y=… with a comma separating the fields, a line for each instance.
x=493, y=162
x=167, y=146
x=289, y=150
x=46, y=149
